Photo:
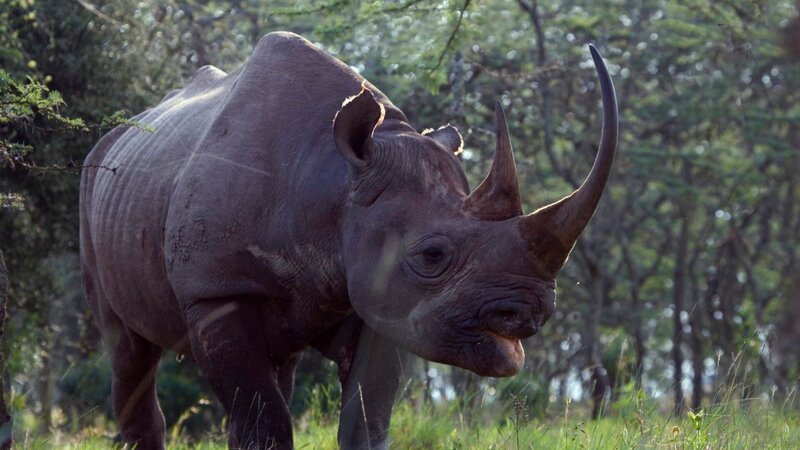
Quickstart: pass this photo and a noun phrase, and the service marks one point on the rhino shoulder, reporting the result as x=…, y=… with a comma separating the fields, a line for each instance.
x=281, y=40
x=288, y=52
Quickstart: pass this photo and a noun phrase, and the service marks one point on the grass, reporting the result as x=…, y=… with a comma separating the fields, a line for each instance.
x=635, y=422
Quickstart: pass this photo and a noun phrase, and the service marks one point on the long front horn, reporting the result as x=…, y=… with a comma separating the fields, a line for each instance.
x=497, y=197
x=553, y=230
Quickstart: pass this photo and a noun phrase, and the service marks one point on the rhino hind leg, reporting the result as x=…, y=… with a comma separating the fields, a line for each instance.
x=134, y=362
x=228, y=345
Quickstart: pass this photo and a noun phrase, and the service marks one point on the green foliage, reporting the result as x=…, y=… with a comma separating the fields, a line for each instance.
x=184, y=399
x=530, y=389
x=763, y=425
x=21, y=103
x=11, y=201
x=86, y=390
x=759, y=424
x=30, y=105
x=122, y=117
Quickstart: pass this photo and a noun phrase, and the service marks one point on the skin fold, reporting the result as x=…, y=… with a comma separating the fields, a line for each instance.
x=289, y=204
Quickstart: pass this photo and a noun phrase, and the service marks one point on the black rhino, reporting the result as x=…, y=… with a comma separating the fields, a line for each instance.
x=290, y=204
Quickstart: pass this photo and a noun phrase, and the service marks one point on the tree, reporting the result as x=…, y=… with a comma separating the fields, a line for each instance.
x=5, y=418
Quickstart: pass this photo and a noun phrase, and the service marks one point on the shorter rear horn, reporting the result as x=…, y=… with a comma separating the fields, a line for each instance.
x=497, y=197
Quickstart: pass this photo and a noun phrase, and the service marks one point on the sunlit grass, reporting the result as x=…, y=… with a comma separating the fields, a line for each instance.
x=635, y=421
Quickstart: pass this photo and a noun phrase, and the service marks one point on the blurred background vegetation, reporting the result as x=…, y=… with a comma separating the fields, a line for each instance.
x=688, y=273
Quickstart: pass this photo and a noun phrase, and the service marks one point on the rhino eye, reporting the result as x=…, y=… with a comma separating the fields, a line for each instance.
x=430, y=258
x=433, y=254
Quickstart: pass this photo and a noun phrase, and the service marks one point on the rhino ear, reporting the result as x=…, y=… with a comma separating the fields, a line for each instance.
x=353, y=127
x=449, y=137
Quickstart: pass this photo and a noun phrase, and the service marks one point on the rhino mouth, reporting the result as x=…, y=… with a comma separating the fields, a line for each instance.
x=514, y=342
x=506, y=332
x=507, y=328
x=484, y=351
x=510, y=345
x=497, y=355
x=502, y=325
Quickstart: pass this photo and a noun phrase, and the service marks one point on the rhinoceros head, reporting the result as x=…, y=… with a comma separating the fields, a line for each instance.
x=453, y=276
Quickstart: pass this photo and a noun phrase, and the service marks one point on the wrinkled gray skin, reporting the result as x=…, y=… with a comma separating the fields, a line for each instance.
x=264, y=215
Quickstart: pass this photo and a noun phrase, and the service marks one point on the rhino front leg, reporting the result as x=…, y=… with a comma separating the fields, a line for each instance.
x=230, y=348
x=369, y=386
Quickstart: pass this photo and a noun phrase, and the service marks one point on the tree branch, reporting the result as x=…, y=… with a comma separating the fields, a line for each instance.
x=452, y=35
x=93, y=9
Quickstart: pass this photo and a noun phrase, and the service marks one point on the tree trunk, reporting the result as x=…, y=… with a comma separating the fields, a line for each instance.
x=601, y=390
x=639, y=349
x=457, y=81
x=696, y=341
x=601, y=387
x=678, y=292
x=426, y=368
x=5, y=418
x=467, y=388
x=636, y=318
x=543, y=80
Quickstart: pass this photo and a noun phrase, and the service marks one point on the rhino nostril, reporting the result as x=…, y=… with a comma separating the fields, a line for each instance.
x=509, y=322
x=504, y=320
x=510, y=318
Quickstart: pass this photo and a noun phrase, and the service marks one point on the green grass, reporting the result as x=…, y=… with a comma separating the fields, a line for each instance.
x=634, y=422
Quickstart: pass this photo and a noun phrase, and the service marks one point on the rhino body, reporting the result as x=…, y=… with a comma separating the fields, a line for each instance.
x=290, y=204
